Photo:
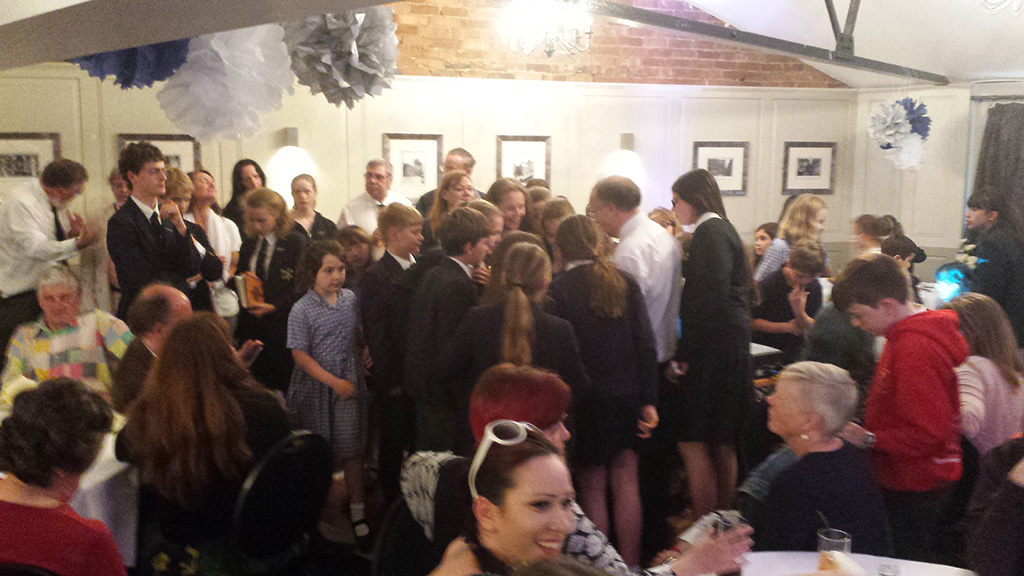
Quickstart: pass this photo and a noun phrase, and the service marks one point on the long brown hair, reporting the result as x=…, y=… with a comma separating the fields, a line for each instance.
x=580, y=238
x=699, y=189
x=987, y=330
x=527, y=271
x=187, y=432
x=441, y=207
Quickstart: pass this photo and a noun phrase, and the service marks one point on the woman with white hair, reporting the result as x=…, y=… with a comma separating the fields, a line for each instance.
x=831, y=484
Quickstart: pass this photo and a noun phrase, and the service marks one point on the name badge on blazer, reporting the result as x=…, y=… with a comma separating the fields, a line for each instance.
x=287, y=273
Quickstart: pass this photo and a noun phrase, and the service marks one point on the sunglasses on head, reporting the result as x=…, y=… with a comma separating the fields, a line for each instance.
x=504, y=432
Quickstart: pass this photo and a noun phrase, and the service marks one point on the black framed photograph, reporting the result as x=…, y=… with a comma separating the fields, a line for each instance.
x=417, y=161
x=181, y=150
x=524, y=157
x=727, y=162
x=809, y=167
x=23, y=155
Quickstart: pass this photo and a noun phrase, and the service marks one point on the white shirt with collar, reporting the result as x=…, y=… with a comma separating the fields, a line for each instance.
x=363, y=210
x=146, y=210
x=271, y=243
x=465, y=267
x=28, y=238
x=405, y=264
x=651, y=255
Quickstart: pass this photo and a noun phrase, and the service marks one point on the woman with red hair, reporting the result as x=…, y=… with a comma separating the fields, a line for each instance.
x=435, y=484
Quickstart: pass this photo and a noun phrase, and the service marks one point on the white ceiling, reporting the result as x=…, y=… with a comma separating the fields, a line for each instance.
x=957, y=38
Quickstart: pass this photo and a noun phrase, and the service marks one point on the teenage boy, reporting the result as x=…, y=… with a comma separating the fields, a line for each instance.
x=905, y=252
x=147, y=240
x=912, y=420
x=790, y=298
x=401, y=227
x=445, y=294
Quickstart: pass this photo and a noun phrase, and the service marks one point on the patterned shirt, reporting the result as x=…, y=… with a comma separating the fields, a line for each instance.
x=88, y=352
x=775, y=257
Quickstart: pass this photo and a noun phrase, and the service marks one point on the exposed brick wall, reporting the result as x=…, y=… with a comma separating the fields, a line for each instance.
x=460, y=38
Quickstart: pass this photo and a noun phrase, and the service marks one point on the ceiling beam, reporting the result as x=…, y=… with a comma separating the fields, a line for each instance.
x=766, y=43
x=104, y=25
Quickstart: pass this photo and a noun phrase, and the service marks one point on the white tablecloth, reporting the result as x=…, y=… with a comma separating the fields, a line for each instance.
x=109, y=492
x=796, y=563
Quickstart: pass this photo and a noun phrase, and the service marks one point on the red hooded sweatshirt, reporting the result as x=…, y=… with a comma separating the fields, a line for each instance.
x=914, y=405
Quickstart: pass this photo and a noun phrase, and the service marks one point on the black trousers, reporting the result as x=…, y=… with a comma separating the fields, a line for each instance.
x=14, y=311
x=914, y=519
x=396, y=419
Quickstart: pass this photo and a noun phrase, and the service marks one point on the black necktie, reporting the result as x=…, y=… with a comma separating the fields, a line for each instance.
x=154, y=220
x=261, y=259
x=61, y=236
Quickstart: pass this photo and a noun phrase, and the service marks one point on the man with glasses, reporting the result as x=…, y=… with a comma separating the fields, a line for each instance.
x=364, y=209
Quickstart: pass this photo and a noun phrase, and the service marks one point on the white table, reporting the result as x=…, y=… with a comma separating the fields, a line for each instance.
x=796, y=563
x=109, y=492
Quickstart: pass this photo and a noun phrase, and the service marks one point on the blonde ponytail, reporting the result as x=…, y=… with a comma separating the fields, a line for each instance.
x=527, y=271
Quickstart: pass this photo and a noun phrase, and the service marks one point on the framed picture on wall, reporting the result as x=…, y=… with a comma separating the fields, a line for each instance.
x=809, y=167
x=181, y=150
x=417, y=161
x=524, y=157
x=727, y=162
x=23, y=155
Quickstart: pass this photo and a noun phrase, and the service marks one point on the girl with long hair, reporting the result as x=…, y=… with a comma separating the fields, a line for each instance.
x=455, y=189
x=327, y=394
x=271, y=251
x=713, y=356
x=803, y=220
x=763, y=237
x=991, y=396
x=304, y=213
x=606, y=310
x=198, y=427
x=510, y=197
x=245, y=176
x=514, y=329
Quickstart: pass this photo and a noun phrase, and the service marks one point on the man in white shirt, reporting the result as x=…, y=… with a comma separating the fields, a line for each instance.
x=364, y=209
x=37, y=230
x=646, y=251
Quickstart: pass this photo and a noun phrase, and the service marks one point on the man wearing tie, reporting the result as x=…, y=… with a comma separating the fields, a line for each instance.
x=364, y=209
x=148, y=241
x=36, y=230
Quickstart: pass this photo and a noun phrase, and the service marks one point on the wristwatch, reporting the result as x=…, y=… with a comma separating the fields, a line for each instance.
x=870, y=439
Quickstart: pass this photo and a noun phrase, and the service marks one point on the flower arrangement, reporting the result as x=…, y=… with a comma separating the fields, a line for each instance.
x=900, y=129
x=965, y=255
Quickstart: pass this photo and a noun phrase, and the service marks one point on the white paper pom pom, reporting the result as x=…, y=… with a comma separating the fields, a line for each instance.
x=907, y=156
x=229, y=79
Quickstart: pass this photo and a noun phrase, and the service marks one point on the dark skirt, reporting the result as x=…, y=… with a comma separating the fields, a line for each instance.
x=712, y=401
x=605, y=427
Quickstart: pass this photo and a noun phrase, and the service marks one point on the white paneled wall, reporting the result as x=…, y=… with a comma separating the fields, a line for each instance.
x=584, y=120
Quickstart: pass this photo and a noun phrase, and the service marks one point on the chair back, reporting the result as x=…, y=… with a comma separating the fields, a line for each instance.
x=9, y=569
x=403, y=548
x=281, y=500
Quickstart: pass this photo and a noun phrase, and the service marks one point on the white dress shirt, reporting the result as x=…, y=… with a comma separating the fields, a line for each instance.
x=650, y=254
x=363, y=210
x=28, y=238
x=405, y=264
x=223, y=236
x=271, y=243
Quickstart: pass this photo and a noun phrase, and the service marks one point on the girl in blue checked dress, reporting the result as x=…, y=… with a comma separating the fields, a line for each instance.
x=327, y=393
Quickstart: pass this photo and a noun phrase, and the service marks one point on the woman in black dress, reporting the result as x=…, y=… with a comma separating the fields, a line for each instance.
x=712, y=361
x=607, y=313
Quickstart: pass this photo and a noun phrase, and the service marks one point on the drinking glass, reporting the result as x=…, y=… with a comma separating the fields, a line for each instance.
x=832, y=540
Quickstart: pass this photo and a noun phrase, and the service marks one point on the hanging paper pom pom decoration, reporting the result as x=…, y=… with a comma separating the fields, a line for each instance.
x=900, y=129
x=345, y=56
x=137, y=67
x=229, y=79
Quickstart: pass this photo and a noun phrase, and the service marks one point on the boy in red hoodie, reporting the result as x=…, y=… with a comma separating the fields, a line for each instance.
x=913, y=410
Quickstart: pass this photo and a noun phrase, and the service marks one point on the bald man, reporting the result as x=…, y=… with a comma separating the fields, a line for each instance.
x=151, y=317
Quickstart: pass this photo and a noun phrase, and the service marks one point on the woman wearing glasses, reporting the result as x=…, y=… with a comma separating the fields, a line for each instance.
x=436, y=488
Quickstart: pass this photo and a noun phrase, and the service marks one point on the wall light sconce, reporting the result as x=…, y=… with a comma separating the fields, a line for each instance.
x=288, y=137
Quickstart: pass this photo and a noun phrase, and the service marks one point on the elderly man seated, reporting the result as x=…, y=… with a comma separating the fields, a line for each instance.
x=85, y=347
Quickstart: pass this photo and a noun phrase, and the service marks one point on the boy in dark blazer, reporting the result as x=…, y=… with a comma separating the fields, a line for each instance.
x=446, y=293
x=148, y=240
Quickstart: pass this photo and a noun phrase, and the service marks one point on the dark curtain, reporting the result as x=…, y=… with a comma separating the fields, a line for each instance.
x=1001, y=163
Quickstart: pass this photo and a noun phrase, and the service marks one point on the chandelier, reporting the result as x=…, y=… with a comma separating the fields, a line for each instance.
x=547, y=26
x=993, y=6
